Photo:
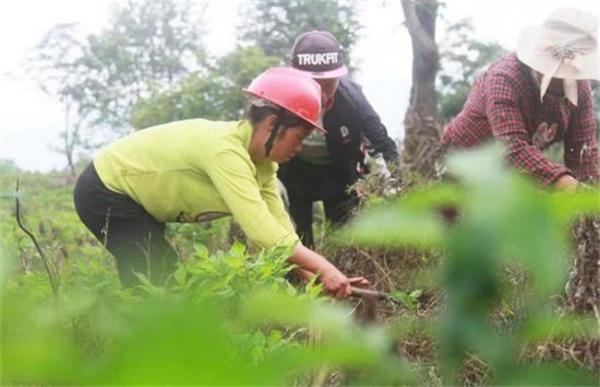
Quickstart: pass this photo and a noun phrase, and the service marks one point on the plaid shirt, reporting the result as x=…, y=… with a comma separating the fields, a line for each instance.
x=504, y=103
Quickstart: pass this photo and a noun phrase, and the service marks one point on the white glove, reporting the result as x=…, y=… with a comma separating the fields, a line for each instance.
x=381, y=168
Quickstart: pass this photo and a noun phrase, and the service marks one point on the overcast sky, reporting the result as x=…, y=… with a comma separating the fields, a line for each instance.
x=30, y=121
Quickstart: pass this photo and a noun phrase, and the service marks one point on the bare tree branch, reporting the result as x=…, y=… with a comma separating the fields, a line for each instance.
x=51, y=274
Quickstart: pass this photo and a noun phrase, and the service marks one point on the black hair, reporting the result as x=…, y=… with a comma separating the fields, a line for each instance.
x=283, y=120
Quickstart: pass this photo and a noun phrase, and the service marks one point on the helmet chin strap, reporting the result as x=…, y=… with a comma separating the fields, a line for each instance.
x=271, y=139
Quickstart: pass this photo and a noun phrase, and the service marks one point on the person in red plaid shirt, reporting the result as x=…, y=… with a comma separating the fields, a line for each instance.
x=536, y=97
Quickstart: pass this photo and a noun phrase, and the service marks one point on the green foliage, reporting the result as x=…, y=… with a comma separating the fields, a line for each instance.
x=185, y=237
x=214, y=92
x=231, y=275
x=227, y=318
x=410, y=300
x=281, y=21
x=505, y=221
x=172, y=341
x=413, y=224
x=462, y=58
x=231, y=317
x=235, y=71
x=148, y=46
x=149, y=66
x=344, y=343
x=189, y=99
x=8, y=167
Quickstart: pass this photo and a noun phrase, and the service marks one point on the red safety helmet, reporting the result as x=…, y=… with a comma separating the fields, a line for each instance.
x=291, y=89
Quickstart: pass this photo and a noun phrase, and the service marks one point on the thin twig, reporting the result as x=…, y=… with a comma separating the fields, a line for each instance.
x=51, y=275
x=385, y=275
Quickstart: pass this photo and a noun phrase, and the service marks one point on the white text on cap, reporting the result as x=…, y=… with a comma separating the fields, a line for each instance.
x=323, y=58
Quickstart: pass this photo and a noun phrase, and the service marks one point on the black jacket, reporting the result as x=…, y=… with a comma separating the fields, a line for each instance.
x=349, y=120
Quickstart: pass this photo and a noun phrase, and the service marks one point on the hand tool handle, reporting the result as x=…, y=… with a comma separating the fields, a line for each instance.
x=358, y=292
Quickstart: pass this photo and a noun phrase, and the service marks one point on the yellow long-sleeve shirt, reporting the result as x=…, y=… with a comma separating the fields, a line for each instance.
x=197, y=170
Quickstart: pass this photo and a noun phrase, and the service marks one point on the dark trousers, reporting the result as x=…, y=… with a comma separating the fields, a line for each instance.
x=126, y=229
x=306, y=184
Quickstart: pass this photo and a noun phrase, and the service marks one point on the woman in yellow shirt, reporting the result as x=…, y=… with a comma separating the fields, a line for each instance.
x=197, y=170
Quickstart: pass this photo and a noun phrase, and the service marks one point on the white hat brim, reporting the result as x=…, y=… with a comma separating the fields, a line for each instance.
x=531, y=51
x=337, y=73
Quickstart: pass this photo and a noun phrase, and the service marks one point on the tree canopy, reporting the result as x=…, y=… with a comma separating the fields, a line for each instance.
x=148, y=46
x=462, y=58
x=281, y=21
x=215, y=90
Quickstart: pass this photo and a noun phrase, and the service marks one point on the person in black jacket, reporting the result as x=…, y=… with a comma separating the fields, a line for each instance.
x=330, y=163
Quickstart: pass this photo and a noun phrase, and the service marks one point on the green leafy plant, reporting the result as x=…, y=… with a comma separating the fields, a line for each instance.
x=504, y=221
x=409, y=300
x=231, y=317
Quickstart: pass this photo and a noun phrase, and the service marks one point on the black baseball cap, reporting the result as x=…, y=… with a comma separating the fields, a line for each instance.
x=318, y=53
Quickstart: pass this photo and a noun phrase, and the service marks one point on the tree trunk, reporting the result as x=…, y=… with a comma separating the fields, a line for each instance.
x=421, y=129
x=69, y=144
x=584, y=286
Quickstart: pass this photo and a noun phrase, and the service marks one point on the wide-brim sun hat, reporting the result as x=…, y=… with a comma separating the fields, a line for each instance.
x=292, y=90
x=565, y=46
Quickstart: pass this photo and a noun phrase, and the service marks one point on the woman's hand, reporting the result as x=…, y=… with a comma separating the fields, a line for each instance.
x=335, y=283
x=566, y=183
x=359, y=282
